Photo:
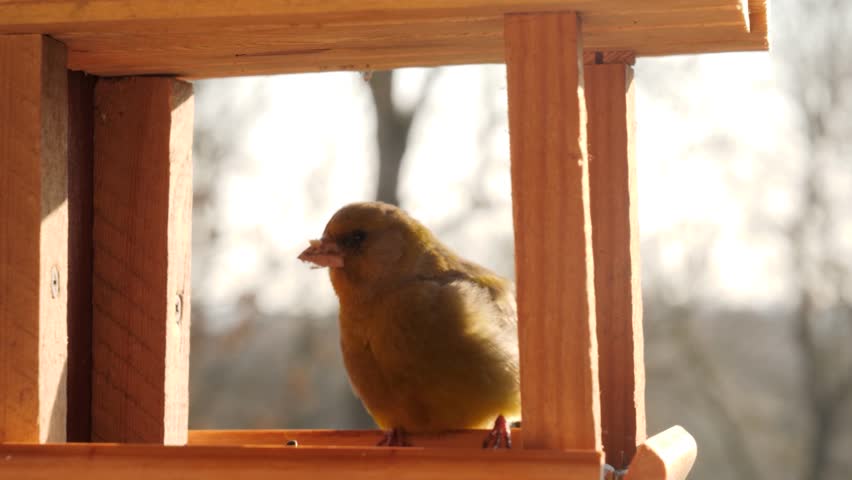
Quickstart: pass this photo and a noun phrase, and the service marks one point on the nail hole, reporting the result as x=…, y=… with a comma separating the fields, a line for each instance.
x=178, y=308
x=54, y=282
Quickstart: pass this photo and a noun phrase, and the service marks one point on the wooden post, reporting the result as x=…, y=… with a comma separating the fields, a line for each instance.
x=33, y=238
x=553, y=242
x=612, y=177
x=142, y=205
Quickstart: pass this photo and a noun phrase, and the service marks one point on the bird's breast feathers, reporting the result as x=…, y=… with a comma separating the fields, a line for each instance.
x=434, y=355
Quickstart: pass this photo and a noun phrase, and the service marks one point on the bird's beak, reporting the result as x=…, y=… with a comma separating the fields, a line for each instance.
x=323, y=253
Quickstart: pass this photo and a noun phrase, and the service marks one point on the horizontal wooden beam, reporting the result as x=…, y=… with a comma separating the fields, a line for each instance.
x=149, y=462
x=98, y=14
x=341, y=438
x=214, y=39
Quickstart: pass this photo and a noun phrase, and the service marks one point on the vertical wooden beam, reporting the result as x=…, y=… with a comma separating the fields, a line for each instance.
x=612, y=177
x=553, y=237
x=33, y=238
x=81, y=89
x=142, y=226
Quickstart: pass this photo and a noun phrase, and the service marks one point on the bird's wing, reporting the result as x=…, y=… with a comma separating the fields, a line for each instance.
x=490, y=299
x=501, y=291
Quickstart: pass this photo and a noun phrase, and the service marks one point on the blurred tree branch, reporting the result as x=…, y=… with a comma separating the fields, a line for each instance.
x=393, y=125
x=814, y=49
x=707, y=380
x=819, y=72
x=678, y=317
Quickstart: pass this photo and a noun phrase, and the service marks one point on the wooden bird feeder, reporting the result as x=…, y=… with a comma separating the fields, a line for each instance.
x=96, y=201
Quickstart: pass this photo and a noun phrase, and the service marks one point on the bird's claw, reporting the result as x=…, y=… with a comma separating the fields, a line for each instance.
x=394, y=438
x=499, y=436
x=610, y=473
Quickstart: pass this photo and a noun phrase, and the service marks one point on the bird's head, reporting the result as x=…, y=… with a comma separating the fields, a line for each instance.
x=366, y=245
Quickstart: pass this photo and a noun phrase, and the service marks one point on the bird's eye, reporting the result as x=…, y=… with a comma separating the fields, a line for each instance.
x=353, y=240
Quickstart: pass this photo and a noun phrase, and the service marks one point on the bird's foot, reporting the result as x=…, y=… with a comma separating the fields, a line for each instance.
x=500, y=436
x=610, y=473
x=394, y=438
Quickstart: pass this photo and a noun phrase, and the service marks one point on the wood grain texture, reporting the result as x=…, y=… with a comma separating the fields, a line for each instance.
x=213, y=39
x=33, y=238
x=101, y=14
x=553, y=249
x=618, y=291
x=80, y=178
x=340, y=438
x=668, y=455
x=148, y=462
x=142, y=208
x=623, y=57
x=757, y=17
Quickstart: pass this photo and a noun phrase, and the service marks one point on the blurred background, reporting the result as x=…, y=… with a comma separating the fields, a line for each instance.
x=745, y=191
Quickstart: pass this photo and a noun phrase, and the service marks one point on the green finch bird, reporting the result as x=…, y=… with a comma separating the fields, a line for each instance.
x=429, y=339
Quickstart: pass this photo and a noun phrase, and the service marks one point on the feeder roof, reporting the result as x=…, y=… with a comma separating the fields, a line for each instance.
x=214, y=38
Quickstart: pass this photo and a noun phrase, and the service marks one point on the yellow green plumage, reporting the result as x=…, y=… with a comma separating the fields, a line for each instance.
x=429, y=339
